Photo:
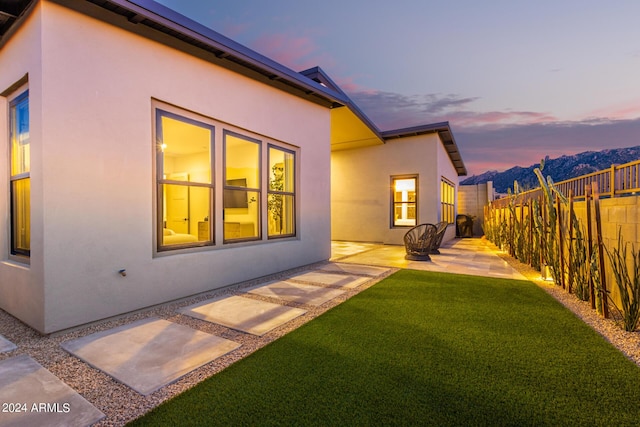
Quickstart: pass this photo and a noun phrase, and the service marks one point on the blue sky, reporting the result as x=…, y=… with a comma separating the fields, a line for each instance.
x=517, y=80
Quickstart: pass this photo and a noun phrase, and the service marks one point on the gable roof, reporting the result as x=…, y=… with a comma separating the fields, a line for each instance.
x=351, y=128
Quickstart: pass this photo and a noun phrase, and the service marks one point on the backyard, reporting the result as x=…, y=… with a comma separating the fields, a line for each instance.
x=425, y=348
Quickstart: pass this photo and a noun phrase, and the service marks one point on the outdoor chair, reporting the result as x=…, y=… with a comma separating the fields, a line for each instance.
x=418, y=242
x=441, y=227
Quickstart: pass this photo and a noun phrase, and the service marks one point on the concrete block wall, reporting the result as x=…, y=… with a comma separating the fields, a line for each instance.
x=471, y=201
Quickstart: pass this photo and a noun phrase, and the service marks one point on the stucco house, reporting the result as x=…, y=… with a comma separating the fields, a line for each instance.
x=385, y=182
x=149, y=158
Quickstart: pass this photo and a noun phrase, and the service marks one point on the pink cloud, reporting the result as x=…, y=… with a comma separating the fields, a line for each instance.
x=625, y=111
x=294, y=52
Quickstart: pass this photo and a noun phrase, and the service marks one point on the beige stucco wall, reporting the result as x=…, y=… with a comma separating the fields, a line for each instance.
x=21, y=289
x=361, y=187
x=93, y=178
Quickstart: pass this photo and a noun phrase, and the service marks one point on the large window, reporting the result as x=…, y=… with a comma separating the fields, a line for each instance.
x=241, y=196
x=404, y=190
x=240, y=190
x=281, y=193
x=20, y=175
x=184, y=166
x=448, y=199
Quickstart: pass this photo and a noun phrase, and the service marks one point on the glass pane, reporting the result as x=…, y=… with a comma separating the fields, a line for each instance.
x=405, y=190
x=404, y=197
x=241, y=214
x=21, y=218
x=281, y=214
x=186, y=150
x=186, y=213
x=405, y=214
x=281, y=170
x=242, y=162
x=19, y=128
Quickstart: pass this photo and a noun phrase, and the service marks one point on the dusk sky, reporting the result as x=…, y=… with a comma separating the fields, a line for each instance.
x=516, y=80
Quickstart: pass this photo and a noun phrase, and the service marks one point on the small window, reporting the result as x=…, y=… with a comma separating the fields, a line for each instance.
x=281, y=196
x=242, y=195
x=184, y=164
x=20, y=180
x=404, y=198
x=448, y=199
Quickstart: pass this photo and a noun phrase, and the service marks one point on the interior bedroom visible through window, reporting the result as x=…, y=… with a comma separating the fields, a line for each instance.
x=184, y=176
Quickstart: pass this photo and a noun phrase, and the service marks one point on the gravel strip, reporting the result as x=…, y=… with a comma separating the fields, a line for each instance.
x=122, y=404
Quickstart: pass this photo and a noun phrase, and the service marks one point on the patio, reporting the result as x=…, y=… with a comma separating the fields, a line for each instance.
x=461, y=256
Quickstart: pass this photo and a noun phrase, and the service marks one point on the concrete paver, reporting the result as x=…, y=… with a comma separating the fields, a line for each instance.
x=32, y=396
x=342, y=280
x=243, y=314
x=296, y=292
x=150, y=353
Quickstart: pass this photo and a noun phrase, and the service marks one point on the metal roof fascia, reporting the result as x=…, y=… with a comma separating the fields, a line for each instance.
x=186, y=26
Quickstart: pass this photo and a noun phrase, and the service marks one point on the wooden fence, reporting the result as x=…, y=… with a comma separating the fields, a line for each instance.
x=615, y=181
x=541, y=228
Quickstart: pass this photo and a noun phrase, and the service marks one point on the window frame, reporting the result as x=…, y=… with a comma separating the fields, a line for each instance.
x=283, y=193
x=447, y=200
x=161, y=180
x=393, y=203
x=258, y=190
x=18, y=254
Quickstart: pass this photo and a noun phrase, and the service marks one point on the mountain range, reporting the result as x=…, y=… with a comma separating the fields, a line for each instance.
x=560, y=169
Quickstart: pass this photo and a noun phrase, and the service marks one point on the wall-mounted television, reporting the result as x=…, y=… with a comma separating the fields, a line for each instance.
x=236, y=198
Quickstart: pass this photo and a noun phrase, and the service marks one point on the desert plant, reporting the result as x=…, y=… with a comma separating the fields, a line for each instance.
x=580, y=265
x=627, y=282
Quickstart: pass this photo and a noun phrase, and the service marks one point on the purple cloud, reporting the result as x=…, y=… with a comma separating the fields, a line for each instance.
x=498, y=140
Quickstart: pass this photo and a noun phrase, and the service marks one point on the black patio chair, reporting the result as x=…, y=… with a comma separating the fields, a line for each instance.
x=418, y=242
x=441, y=227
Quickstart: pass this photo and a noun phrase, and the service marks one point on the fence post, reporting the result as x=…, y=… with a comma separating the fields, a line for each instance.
x=531, y=225
x=571, y=246
x=587, y=195
x=603, y=282
x=560, y=244
x=613, y=180
x=543, y=230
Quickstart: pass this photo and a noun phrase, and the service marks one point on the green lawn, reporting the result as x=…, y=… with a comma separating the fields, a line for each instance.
x=422, y=348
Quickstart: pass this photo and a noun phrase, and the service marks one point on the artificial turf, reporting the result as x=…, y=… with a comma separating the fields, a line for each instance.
x=423, y=348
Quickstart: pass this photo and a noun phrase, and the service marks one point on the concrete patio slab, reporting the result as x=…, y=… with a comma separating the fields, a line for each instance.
x=243, y=314
x=150, y=353
x=345, y=281
x=6, y=345
x=32, y=396
x=341, y=249
x=460, y=256
x=296, y=292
